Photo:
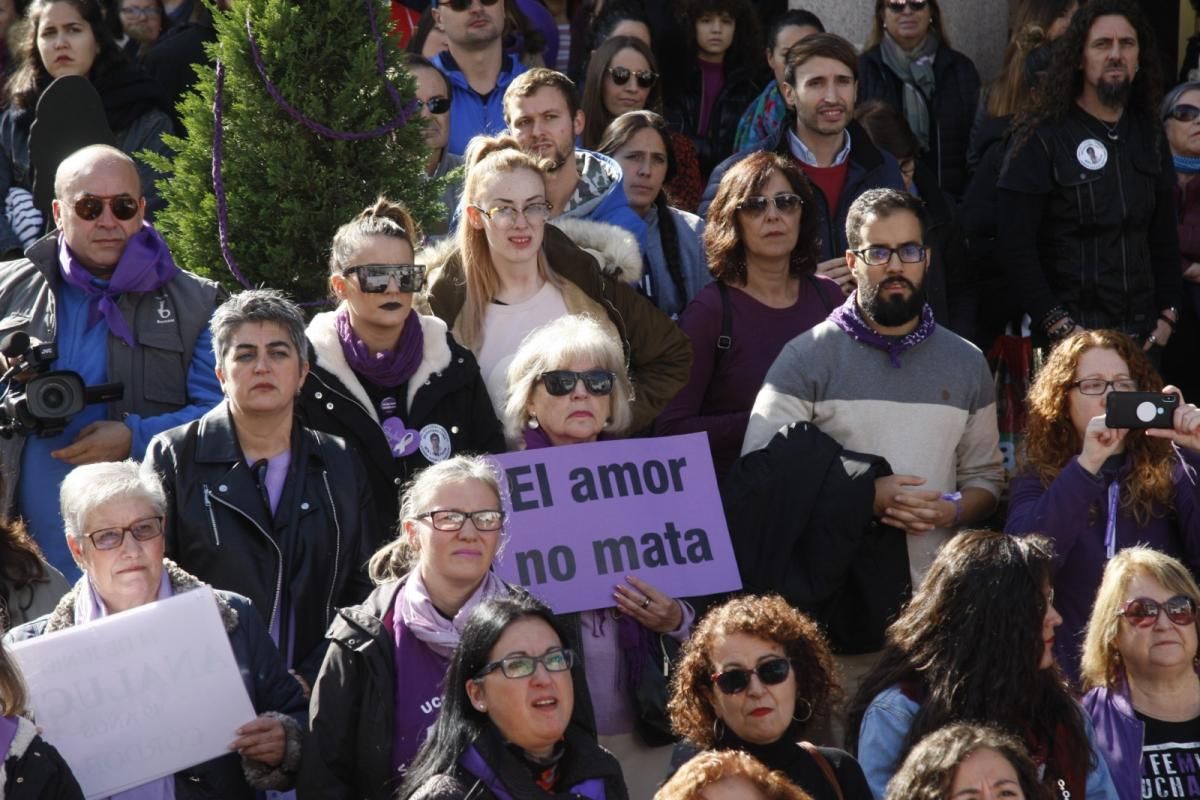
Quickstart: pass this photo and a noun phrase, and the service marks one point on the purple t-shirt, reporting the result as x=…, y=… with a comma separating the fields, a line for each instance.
x=718, y=400
x=420, y=675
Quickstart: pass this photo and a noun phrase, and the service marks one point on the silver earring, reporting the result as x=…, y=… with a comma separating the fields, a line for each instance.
x=533, y=422
x=808, y=711
x=718, y=729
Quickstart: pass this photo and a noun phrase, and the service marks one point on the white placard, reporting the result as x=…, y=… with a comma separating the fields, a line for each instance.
x=137, y=695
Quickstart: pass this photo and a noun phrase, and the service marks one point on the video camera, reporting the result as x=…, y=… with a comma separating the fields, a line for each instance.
x=43, y=404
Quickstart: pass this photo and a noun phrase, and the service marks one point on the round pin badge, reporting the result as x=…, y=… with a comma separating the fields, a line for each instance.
x=435, y=443
x=1092, y=154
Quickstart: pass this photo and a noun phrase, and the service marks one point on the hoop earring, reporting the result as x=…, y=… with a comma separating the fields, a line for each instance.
x=808, y=711
x=718, y=730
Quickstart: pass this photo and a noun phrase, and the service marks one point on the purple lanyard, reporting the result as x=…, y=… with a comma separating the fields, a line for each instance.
x=1110, y=527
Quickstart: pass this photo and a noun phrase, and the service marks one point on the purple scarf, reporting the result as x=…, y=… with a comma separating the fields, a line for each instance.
x=8, y=732
x=537, y=438
x=473, y=762
x=849, y=318
x=387, y=368
x=145, y=265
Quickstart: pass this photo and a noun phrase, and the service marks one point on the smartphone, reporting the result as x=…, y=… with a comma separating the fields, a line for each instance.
x=1140, y=410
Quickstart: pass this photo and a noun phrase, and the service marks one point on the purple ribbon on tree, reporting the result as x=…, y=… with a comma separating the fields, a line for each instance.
x=145, y=265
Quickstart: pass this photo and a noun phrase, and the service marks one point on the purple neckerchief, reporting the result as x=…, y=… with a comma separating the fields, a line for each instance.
x=8, y=732
x=145, y=265
x=472, y=761
x=387, y=368
x=415, y=609
x=537, y=438
x=849, y=318
x=163, y=788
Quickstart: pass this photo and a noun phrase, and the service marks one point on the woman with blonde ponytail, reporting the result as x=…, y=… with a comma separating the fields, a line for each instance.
x=390, y=381
x=511, y=269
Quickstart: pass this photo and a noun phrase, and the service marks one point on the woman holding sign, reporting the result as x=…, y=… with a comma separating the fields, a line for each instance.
x=380, y=688
x=390, y=381
x=114, y=516
x=510, y=727
x=1095, y=490
x=567, y=385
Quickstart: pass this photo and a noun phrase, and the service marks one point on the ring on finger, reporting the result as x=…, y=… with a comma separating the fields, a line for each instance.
x=645, y=603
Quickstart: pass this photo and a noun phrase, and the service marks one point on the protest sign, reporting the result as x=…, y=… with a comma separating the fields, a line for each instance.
x=584, y=516
x=137, y=695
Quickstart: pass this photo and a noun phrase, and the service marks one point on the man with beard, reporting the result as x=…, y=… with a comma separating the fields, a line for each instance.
x=1087, y=227
x=541, y=111
x=476, y=66
x=833, y=151
x=881, y=377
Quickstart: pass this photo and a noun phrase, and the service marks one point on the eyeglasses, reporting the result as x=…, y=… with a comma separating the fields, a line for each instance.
x=485, y=520
x=1184, y=113
x=463, y=5
x=1096, y=386
x=111, y=538
x=436, y=105
x=784, y=202
x=559, y=382
x=506, y=216
x=557, y=660
x=735, y=681
x=912, y=5
x=878, y=255
x=144, y=13
x=374, y=278
x=90, y=207
x=620, y=76
x=1142, y=612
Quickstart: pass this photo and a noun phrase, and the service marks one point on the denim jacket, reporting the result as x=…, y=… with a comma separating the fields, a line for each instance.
x=885, y=726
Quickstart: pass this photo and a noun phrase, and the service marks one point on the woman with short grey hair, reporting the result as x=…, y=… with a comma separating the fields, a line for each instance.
x=114, y=514
x=257, y=502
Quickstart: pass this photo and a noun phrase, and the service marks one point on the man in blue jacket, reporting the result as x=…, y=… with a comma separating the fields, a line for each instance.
x=476, y=66
x=541, y=110
x=834, y=153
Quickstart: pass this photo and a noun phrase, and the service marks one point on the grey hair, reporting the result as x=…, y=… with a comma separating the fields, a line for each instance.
x=1172, y=97
x=92, y=154
x=399, y=555
x=554, y=346
x=262, y=306
x=91, y=486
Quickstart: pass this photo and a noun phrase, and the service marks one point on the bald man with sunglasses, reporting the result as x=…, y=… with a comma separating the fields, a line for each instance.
x=104, y=288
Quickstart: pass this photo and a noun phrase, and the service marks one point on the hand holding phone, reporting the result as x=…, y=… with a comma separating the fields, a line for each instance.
x=1138, y=410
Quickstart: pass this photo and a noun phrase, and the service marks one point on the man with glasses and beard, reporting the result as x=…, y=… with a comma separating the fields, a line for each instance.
x=104, y=288
x=881, y=377
x=1087, y=221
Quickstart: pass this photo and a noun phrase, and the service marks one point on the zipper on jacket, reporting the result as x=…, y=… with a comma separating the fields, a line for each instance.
x=337, y=547
x=278, y=552
x=1124, y=215
x=212, y=518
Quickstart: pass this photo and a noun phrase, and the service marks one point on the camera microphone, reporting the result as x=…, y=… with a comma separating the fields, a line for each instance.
x=15, y=344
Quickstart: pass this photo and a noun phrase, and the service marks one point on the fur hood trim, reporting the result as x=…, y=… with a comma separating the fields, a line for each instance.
x=615, y=249
x=264, y=777
x=63, y=616
x=26, y=731
x=322, y=333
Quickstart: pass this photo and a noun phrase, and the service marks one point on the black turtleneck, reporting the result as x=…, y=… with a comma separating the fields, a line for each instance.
x=785, y=755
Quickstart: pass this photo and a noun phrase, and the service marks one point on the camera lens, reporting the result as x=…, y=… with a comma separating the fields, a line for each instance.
x=53, y=398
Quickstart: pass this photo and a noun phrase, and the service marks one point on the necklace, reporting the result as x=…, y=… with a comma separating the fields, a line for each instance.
x=1111, y=130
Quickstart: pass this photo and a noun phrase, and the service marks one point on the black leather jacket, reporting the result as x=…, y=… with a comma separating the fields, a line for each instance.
x=683, y=113
x=313, y=553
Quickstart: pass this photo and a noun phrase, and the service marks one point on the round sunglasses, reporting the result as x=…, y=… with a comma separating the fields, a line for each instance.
x=90, y=207
x=621, y=75
x=1142, y=612
x=559, y=382
x=771, y=672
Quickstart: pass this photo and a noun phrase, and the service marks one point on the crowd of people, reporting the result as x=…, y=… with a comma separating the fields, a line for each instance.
x=712, y=217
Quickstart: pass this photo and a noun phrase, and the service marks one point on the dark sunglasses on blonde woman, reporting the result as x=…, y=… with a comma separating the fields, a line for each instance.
x=1143, y=612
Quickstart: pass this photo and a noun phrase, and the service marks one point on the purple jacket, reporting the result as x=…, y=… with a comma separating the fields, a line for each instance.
x=1119, y=735
x=1071, y=511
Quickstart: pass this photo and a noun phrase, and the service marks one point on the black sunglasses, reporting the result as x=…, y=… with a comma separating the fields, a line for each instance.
x=559, y=382
x=734, y=681
x=912, y=5
x=463, y=5
x=374, y=278
x=620, y=76
x=1142, y=612
x=91, y=206
x=1184, y=113
x=436, y=105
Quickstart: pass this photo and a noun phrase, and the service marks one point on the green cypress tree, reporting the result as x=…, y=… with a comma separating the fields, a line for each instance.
x=288, y=188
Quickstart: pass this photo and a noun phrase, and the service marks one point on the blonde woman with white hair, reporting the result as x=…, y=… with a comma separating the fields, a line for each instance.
x=379, y=690
x=567, y=385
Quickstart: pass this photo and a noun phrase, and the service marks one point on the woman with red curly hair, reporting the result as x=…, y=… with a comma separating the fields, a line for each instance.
x=757, y=676
x=726, y=775
x=1095, y=490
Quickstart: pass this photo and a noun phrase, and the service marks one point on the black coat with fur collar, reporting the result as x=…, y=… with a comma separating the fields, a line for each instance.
x=33, y=770
x=446, y=391
x=273, y=692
